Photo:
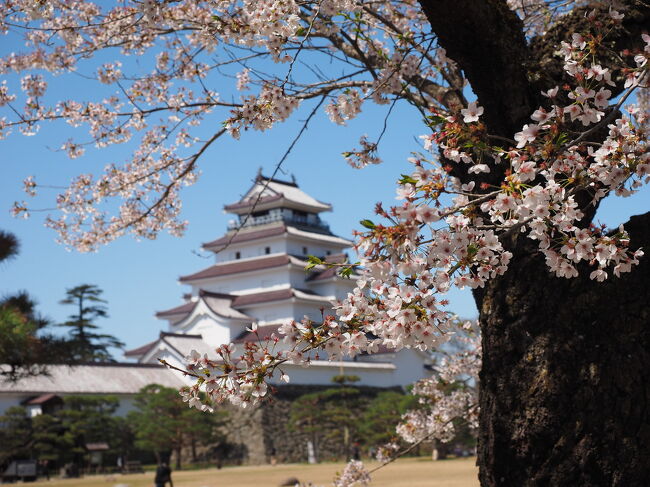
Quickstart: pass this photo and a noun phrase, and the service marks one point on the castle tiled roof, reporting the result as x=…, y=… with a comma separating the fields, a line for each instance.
x=106, y=378
x=178, y=310
x=184, y=344
x=274, y=231
x=181, y=343
x=243, y=265
x=243, y=236
x=279, y=295
x=138, y=352
x=277, y=193
x=219, y=303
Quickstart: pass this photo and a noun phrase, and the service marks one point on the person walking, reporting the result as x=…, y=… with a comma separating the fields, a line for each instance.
x=163, y=475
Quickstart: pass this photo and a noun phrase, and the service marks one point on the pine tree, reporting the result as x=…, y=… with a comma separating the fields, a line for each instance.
x=26, y=348
x=87, y=344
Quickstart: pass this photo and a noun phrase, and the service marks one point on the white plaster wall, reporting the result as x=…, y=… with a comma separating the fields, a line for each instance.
x=410, y=366
x=270, y=312
x=295, y=247
x=171, y=357
x=213, y=331
x=283, y=244
x=246, y=283
x=255, y=248
x=323, y=375
x=9, y=399
x=311, y=310
x=297, y=278
x=282, y=311
x=338, y=288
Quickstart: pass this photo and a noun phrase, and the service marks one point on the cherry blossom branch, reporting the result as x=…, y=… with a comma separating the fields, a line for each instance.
x=608, y=118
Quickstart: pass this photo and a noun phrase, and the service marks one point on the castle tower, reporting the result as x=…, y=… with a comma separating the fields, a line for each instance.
x=259, y=277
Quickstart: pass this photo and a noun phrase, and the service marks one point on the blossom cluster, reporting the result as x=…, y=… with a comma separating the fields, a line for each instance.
x=446, y=232
x=354, y=475
x=452, y=393
x=162, y=104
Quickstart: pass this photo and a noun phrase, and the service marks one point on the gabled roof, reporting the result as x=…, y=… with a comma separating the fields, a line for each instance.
x=275, y=194
x=248, y=235
x=220, y=304
x=244, y=236
x=243, y=265
x=183, y=344
x=280, y=295
x=178, y=310
x=137, y=352
x=331, y=239
x=42, y=399
x=100, y=378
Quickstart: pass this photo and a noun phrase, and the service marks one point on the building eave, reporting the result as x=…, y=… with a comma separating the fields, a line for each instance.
x=241, y=266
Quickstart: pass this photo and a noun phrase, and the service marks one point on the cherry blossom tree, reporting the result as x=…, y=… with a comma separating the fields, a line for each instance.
x=527, y=127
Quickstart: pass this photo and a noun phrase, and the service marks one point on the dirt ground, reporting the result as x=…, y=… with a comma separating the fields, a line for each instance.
x=408, y=472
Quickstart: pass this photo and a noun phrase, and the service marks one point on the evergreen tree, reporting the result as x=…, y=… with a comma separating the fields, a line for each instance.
x=9, y=246
x=330, y=416
x=88, y=345
x=163, y=423
x=15, y=434
x=26, y=348
x=378, y=420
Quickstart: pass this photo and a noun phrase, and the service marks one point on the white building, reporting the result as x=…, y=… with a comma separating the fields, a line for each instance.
x=117, y=379
x=259, y=277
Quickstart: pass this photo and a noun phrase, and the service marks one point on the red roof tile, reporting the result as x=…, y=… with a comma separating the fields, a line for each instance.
x=282, y=294
x=235, y=267
x=41, y=399
x=250, y=202
x=247, y=299
x=136, y=352
x=183, y=308
x=247, y=236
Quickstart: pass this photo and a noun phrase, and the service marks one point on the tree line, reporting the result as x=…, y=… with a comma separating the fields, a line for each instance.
x=159, y=424
x=28, y=341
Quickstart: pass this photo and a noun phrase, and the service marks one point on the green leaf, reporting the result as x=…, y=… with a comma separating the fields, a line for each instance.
x=312, y=261
x=436, y=120
x=368, y=224
x=406, y=179
x=301, y=31
x=346, y=272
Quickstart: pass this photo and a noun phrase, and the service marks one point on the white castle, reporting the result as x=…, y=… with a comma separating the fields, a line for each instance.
x=259, y=277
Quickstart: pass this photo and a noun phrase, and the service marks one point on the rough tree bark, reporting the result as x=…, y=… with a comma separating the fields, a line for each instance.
x=565, y=382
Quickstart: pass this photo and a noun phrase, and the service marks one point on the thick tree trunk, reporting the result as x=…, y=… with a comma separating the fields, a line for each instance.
x=565, y=383
x=566, y=363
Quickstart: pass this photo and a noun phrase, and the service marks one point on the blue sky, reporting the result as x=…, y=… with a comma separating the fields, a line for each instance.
x=140, y=277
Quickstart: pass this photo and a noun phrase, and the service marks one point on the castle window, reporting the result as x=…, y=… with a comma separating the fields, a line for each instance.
x=267, y=250
x=304, y=251
x=237, y=255
x=328, y=252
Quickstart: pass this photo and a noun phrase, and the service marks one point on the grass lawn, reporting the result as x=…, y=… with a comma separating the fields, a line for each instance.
x=407, y=472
